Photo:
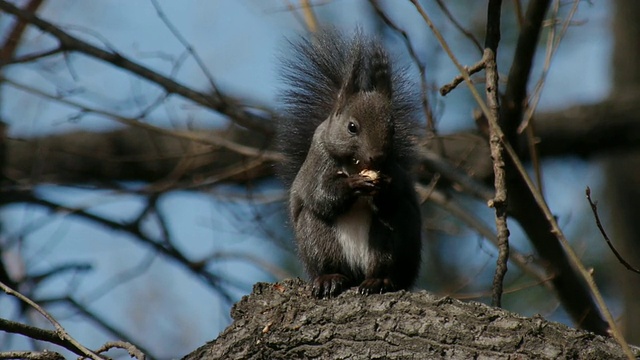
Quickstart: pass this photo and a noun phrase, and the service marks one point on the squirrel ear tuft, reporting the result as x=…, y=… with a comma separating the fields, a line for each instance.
x=354, y=83
x=380, y=71
x=370, y=71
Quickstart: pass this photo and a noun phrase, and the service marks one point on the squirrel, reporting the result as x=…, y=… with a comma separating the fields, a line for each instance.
x=347, y=134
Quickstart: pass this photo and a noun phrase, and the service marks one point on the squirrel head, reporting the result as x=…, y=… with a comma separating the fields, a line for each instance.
x=360, y=129
x=360, y=135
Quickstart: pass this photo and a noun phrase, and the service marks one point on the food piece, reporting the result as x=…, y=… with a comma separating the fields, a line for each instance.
x=370, y=175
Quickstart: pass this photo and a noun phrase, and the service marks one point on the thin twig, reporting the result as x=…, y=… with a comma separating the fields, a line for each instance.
x=530, y=129
x=424, y=88
x=267, y=266
x=552, y=47
x=512, y=290
x=528, y=125
x=436, y=163
x=12, y=40
x=477, y=67
x=32, y=57
x=131, y=349
x=69, y=343
x=459, y=26
x=176, y=33
x=445, y=46
x=74, y=304
x=594, y=209
x=535, y=270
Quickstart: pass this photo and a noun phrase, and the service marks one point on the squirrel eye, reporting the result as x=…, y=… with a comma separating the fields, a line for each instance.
x=352, y=128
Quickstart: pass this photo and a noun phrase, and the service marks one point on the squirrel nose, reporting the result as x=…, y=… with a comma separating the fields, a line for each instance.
x=375, y=159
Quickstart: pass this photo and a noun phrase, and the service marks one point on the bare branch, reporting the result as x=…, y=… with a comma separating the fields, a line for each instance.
x=31, y=355
x=553, y=43
x=426, y=107
x=37, y=334
x=527, y=124
x=10, y=44
x=437, y=164
x=594, y=209
x=221, y=104
x=458, y=26
x=34, y=56
x=187, y=135
x=499, y=202
x=588, y=130
x=131, y=349
x=447, y=88
x=518, y=78
x=525, y=263
x=176, y=33
x=58, y=337
x=101, y=322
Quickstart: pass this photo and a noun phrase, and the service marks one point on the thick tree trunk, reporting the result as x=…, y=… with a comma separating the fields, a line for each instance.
x=283, y=321
x=623, y=169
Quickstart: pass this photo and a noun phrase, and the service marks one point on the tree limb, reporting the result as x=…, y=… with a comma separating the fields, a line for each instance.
x=60, y=333
x=221, y=104
x=283, y=321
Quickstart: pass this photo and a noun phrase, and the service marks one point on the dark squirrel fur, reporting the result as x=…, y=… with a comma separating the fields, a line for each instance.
x=347, y=114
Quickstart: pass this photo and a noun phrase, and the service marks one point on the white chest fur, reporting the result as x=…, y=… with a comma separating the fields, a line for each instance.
x=353, y=235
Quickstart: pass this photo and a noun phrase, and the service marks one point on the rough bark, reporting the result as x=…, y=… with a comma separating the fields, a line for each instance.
x=283, y=321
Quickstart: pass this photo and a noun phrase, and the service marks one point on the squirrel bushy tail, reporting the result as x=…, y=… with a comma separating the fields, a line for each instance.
x=316, y=71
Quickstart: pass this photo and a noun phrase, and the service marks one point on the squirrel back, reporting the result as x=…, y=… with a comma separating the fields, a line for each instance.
x=323, y=74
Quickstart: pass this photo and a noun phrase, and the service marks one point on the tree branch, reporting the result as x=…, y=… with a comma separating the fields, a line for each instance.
x=589, y=130
x=594, y=209
x=283, y=321
x=222, y=104
x=38, y=334
x=60, y=333
x=499, y=202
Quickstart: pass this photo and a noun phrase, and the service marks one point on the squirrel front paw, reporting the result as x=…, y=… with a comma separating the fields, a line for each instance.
x=376, y=286
x=364, y=182
x=330, y=285
x=362, y=185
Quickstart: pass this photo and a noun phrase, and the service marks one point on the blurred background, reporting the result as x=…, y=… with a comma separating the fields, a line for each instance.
x=139, y=203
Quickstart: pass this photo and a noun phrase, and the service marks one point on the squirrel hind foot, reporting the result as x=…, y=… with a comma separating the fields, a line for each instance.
x=329, y=285
x=376, y=286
